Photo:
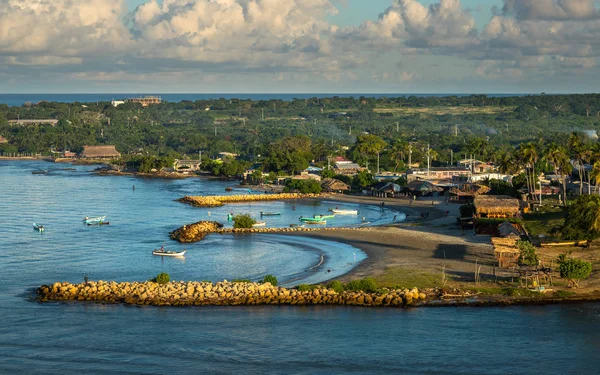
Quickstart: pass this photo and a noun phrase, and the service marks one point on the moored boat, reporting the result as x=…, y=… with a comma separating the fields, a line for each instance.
x=317, y=222
x=45, y=171
x=168, y=253
x=310, y=219
x=95, y=220
x=296, y=225
x=323, y=217
x=344, y=212
x=38, y=227
x=270, y=213
x=259, y=224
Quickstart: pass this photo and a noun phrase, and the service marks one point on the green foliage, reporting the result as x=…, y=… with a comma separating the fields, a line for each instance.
x=162, y=278
x=363, y=179
x=306, y=287
x=574, y=270
x=336, y=286
x=563, y=294
x=500, y=187
x=146, y=164
x=367, y=284
x=327, y=173
x=528, y=255
x=243, y=221
x=270, y=279
x=303, y=186
x=583, y=219
x=467, y=210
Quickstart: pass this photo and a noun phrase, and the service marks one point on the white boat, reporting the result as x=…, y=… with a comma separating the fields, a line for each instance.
x=259, y=224
x=168, y=253
x=94, y=220
x=344, y=212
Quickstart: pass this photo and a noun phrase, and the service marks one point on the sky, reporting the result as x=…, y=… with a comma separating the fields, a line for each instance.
x=299, y=46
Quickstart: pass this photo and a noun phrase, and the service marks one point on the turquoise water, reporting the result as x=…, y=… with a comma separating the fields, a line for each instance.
x=81, y=338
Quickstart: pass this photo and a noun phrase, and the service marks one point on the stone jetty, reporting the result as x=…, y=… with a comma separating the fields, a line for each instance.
x=197, y=231
x=193, y=293
x=219, y=200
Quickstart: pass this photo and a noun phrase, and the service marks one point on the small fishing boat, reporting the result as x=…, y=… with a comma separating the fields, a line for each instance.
x=344, y=212
x=168, y=253
x=259, y=224
x=94, y=220
x=296, y=225
x=323, y=217
x=38, y=227
x=317, y=222
x=270, y=213
x=45, y=171
x=310, y=219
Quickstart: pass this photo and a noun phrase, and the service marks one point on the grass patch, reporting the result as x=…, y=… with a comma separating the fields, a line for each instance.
x=506, y=291
x=543, y=223
x=400, y=277
x=563, y=294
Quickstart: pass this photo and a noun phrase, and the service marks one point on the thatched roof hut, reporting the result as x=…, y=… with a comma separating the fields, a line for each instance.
x=100, y=152
x=506, y=251
x=332, y=185
x=496, y=206
x=3, y=140
x=420, y=187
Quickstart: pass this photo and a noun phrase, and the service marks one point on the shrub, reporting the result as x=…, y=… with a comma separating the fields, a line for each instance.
x=243, y=221
x=336, y=286
x=162, y=278
x=303, y=186
x=467, y=210
x=528, y=255
x=366, y=285
x=574, y=270
x=270, y=279
x=305, y=287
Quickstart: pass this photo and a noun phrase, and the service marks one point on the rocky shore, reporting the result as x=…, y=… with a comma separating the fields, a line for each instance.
x=197, y=231
x=193, y=293
x=220, y=200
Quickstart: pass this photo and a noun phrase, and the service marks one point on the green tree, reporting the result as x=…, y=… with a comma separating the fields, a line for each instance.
x=243, y=221
x=559, y=158
x=309, y=186
x=583, y=219
x=575, y=270
x=363, y=179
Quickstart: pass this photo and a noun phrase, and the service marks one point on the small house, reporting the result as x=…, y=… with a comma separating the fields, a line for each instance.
x=496, y=206
x=332, y=185
x=307, y=176
x=506, y=251
x=185, y=166
x=100, y=152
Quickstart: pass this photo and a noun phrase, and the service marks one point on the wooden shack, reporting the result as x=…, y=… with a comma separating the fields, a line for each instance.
x=496, y=206
x=506, y=251
x=100, y=152
x=331, y=185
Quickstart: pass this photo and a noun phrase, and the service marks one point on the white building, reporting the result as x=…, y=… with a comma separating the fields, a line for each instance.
x=116, y=103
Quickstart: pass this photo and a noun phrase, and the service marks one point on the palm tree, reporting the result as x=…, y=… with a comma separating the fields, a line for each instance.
x=506, y=163
x=529, y=156
x=580, y=152
x=595, y=174
x=397, y=152
x=559, y=158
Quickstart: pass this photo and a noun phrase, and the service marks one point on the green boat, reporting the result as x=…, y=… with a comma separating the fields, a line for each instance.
x=310, y=219
x=324, y=217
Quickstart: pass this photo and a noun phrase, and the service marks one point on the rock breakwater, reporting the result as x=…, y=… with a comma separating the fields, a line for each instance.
x=197, y=231
x=193, y=293
x=219, y=200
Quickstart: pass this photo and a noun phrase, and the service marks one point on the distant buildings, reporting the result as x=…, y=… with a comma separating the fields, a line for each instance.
x=100, y=152
x=346, y=167
x=145, y=101
x=116, y=103
x=186, y=166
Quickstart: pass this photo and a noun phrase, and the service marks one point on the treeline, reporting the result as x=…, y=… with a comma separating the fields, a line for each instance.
x=286, y=135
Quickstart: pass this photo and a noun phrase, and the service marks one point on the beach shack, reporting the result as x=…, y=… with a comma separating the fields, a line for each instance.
x=100, y=152
x=496, y=206
x=506, y=251
x=332, y=185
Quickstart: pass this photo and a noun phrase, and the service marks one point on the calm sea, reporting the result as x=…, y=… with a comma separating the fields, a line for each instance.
x=82, y=338
x=20, y=99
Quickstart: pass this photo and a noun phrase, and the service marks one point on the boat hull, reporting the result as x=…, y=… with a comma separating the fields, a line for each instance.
x=165, y=253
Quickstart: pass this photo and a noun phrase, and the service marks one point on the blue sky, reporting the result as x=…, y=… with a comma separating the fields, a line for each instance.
x=412, y=46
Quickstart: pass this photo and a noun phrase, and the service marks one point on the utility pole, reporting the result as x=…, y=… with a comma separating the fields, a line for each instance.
x=215, y=131
x=350, y=131
x=378, y=163
x=451, y=156
x=263, y=114
x=397, y=127
x=428, y=161
x=410, y=156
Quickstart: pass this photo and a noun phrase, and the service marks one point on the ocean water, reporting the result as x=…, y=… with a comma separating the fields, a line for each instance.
x=20, y=99
x=86, y=338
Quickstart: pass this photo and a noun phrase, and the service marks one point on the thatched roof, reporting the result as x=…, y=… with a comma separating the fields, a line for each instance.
x=507, y=229
x=470, y=190
x=506, y=246
x=422, y=186
x=100, y=152
x=3, y=140
x=496, y=204
x=332, y=184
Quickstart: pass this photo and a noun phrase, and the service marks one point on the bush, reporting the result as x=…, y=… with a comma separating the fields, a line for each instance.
x=582, y=219
x=162, y=278
x=270, y=279
x=303, y=186
x=574, y=270
x=336, y=286
x=528, y=255
x=243, y=221
x=467, y=210
x=366, y=285
x=306, y=287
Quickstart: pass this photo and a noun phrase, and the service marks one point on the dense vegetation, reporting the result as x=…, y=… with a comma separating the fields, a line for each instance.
x=286, y=135
x=243, y=221
x=574, y=270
